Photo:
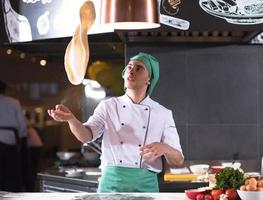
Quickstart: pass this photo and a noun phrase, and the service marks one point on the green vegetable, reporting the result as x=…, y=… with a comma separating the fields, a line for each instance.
x=229, y=178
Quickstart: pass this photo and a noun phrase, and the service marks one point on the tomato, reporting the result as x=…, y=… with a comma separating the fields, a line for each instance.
x=207, y=192
x=208, y=197
x=231, y=194
x=216, y=194
x=200, y=197
x=260, y=183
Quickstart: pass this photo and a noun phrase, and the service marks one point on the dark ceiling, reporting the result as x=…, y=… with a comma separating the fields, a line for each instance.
x=103, y=46
x=111, y=45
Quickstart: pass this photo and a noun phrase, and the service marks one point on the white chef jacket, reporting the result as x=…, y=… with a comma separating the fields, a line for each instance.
x=126, y=126
x=11, y=115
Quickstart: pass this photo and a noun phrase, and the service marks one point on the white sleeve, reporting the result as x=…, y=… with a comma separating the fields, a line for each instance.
x=96, y=122
x=170, y=134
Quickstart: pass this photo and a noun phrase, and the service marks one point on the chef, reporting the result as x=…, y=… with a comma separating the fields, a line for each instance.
x=136, y=131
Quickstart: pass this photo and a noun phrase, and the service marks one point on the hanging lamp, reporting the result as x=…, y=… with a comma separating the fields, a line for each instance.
x=130, y=14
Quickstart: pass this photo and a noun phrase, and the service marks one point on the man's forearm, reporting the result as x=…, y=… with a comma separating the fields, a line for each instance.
x=82, y=133
x=173, y=156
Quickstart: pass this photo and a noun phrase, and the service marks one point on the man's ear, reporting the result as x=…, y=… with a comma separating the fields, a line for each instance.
x=149, y=82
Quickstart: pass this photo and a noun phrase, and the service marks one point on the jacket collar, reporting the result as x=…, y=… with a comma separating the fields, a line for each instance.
x=146, y=101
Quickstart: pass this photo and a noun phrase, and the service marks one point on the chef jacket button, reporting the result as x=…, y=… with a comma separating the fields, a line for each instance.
x=123, y=106
x=136, y=163
x=121, y=142
x=120, y=161
x=146, y=109
x=139, y=145
x=122, y=124
x=144, y=127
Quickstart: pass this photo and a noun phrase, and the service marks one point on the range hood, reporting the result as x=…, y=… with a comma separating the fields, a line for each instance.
x=200, y=21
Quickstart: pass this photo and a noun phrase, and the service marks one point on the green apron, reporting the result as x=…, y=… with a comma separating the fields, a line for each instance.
x=125, y=179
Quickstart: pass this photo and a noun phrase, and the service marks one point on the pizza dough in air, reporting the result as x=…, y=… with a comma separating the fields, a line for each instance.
x=77, y=52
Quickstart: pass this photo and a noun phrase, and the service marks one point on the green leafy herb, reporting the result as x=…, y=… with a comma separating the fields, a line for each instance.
x=229, y=178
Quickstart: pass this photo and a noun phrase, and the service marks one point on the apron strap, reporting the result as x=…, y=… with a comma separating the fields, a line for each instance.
x=126, y=179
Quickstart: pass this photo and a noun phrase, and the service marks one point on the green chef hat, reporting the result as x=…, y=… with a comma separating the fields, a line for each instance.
x=152, y=65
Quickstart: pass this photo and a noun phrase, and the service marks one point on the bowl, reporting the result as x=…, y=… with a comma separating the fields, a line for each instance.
x=199, y=169
x=90, y=156
x=192, y=193
x=74, y=172
x=250, y=195
x=65, y=155
x=183, y=170
x=216, y=168
x=255, y=175
x=235, y=165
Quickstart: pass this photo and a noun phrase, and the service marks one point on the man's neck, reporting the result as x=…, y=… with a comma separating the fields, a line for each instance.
x=136, y=96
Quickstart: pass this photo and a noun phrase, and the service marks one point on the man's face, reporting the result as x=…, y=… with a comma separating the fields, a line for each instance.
x=136, y=75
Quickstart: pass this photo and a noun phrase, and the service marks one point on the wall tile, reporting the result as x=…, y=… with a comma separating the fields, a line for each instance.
x=260, y=141
x=222, y=88
x=182, y=131
x=216, y=96
x=216, y=142
x=260, y=85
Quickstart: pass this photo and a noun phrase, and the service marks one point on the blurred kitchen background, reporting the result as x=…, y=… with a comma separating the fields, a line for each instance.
x=210, y=76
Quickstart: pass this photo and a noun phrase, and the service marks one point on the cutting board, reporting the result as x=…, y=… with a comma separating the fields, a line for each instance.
x=180, y=177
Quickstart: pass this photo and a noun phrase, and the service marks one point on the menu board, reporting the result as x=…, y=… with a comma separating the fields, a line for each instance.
x=27, y=20
x=212, y=15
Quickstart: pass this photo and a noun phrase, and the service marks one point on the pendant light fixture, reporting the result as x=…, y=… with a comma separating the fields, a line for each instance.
x=130, y=14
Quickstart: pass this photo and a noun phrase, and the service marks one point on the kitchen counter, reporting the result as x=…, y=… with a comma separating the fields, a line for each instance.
x=57, y=180
x=54, y=180
x=86, y=196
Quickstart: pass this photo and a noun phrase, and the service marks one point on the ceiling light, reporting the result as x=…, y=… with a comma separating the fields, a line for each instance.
x=130, y=14
x=22, y=55
x=94, y=93
x=91, y=83
x=43, y=62
x=8, y=51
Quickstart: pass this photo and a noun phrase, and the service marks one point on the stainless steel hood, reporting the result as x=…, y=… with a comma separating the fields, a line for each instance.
x=111, y=45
